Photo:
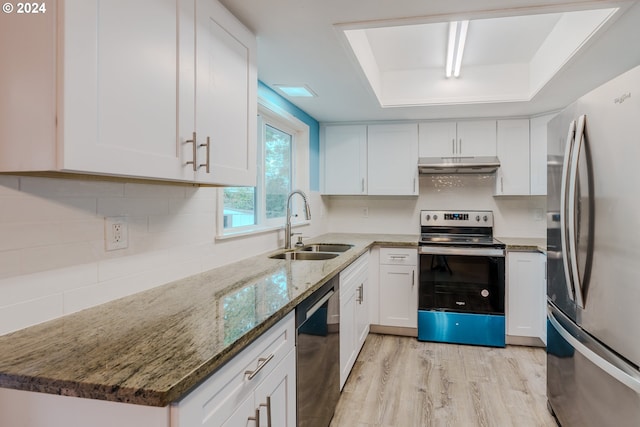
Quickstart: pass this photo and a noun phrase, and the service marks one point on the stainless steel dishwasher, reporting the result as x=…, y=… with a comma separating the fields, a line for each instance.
x=318, y=355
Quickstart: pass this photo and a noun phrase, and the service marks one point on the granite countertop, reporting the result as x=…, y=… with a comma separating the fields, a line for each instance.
x=524, y=243
x=151, y=348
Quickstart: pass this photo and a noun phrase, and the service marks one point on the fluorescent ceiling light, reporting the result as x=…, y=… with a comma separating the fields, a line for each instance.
x=453, y=29
x=299, y=91
x=455, y=48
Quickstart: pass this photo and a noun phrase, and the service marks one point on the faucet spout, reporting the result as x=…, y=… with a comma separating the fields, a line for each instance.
x=307, y=215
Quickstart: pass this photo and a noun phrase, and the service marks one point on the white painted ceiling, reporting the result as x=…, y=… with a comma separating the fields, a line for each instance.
x=300, y=42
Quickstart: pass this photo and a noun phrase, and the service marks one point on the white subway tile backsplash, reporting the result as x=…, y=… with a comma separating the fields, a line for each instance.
x=36, y=209
x=29, y=235
x=126, y=266
x=27, y=313
x=15, y=290
x=52, y=255
x=10, y=263
x=136, y=190
x=54, y=187
x=132, y=206
x=42, y=258
x=9, y=186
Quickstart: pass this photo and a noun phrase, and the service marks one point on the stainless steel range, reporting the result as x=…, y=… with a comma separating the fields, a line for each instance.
x=462, y=279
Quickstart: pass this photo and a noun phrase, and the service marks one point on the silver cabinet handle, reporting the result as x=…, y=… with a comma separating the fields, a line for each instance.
x=453, y=146
x=414, y=185
x=195, y=152
x=262, y=362
x=208, y=145
x=413, y=278
x=460, y=147
x=256, y=418
x=268, y=411
x=360, y=298
x=362, y=185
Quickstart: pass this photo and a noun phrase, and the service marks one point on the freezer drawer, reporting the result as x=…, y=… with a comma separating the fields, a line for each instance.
x=587, y=385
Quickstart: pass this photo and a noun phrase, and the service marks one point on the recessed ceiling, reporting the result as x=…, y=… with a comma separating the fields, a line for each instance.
x=505, y=59
x=301, y=42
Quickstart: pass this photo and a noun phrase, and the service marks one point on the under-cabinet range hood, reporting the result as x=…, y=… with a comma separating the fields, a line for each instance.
x=452, y=165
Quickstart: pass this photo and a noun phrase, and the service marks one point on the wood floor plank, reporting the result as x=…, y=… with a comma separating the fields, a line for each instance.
x=402, y=382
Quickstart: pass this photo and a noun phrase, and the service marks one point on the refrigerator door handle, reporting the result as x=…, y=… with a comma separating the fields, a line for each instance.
x=632, y=381
x=563, y=207
x=572, y=211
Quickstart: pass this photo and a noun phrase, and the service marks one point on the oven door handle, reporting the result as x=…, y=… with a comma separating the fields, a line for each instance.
x=440, y=250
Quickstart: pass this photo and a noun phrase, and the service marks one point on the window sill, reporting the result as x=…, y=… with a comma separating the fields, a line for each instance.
x=258, y=230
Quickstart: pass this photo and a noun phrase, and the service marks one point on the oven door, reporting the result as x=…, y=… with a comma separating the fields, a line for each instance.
x=462, y=279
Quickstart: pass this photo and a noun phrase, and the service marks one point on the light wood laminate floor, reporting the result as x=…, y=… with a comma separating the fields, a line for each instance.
x=402, y=382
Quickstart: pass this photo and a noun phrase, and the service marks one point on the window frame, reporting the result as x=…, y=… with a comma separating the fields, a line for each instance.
x=281, y=119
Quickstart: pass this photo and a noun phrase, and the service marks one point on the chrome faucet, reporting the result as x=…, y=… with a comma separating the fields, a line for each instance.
x=307, y=215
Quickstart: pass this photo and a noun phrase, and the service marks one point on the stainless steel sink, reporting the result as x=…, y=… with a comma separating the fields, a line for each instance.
x=304, y=256
x=325, y=247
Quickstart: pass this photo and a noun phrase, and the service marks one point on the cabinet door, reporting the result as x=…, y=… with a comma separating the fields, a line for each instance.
x=362, y=313
x=119, y=88
x=476, y=138
x=225, y=97
x=513, y=152
x=538, y=154
x=437, y=139
x=348, y=336
x=398, y=296
x=275, y=397
x=392, y=154
x=526, y=295
x=344, y=156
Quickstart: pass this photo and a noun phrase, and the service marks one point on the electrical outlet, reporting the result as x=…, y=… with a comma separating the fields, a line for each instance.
x=116, y=233
x=365, y=212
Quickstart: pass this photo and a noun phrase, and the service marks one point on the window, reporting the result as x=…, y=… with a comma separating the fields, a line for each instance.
x=282, y=147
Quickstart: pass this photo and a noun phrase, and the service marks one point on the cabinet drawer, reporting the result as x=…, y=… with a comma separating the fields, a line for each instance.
x=398, y=256
x=354, y=274
x=215, y=400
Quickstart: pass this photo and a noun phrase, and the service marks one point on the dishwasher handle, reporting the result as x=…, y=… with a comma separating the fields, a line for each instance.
x=315, y=307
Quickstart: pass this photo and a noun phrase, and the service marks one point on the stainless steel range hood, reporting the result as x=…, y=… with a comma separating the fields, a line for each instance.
x=454, y=165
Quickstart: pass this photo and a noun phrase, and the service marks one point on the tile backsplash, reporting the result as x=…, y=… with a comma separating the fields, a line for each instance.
x=52, y=250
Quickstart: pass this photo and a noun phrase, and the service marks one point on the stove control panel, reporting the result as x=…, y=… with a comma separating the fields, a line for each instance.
x=457, y=218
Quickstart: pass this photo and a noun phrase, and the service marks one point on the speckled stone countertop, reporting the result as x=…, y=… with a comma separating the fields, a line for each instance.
x=151, y=348
x=524, y=243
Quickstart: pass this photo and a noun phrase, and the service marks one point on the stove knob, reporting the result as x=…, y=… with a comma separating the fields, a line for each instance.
x=485, y=218
x=435, y=217
x=478, y=218
x=428, y=217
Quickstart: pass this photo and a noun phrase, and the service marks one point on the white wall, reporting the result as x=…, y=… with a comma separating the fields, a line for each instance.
x=513, y=216
x=52, y=256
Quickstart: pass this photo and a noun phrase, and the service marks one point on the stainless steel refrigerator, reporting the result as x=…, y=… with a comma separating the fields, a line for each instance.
x=593, y=257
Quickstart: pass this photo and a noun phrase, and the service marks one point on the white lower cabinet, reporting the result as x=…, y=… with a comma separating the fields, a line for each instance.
x=398, y=287
x=526, y=296
x=354, y=313
x=258, y=383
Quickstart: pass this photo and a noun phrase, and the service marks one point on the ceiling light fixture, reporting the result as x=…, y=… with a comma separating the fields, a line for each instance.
x=296, y=91
x=455, y=48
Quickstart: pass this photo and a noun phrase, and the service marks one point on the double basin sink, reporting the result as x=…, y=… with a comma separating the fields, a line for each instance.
x=316, y=251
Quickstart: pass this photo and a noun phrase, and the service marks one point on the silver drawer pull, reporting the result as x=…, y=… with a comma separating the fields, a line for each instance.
x=261, y=364
x=256, y=418
x=398, y=256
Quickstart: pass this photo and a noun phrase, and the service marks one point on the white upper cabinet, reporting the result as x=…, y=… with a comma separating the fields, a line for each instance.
x=117, y=95
x=458, y=139
x=513, y=175
x=226, y=97
x=538, y=153
x=375, y=159
x=343, y=157
x=392, y=155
